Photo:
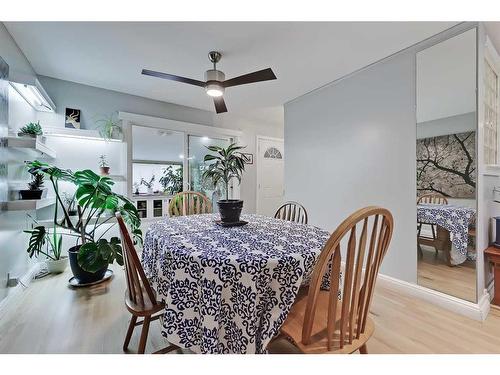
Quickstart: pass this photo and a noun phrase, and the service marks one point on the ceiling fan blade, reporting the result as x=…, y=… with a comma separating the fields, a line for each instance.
x=259, y=76
x=220, y=104
x=172, y=77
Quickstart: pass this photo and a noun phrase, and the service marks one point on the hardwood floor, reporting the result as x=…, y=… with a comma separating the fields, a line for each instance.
x=434, y=273
x=51, y=318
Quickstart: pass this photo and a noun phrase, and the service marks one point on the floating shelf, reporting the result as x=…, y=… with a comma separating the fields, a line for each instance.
x=29, y=204
x=30, y=144
x=77, y=133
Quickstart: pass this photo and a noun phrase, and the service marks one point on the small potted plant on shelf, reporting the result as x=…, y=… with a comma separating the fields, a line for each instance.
x=34, y=191
x=31, y=129
x=42, y=241
x=171, y=181
x=227, y=164
x=148, y=184
x=109, y=127
x=103, y=165
x=96, y=205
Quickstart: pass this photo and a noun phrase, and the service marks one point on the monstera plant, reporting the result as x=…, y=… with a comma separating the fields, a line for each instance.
x=96, y=206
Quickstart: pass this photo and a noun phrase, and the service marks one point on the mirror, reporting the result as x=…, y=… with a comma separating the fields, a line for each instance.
x=446, y=166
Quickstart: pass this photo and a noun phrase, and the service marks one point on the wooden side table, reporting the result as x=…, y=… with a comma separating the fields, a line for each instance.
x=493, y=255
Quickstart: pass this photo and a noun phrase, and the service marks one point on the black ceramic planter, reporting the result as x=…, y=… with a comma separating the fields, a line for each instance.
x=30, y=194
x=230, y=210
x=83, y=276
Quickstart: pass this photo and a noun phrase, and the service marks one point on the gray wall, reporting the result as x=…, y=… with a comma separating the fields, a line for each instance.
x=95, y=103
x=448, y=125
x=352, y=144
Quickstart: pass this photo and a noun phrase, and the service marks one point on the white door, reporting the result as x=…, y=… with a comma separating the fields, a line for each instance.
x=270, y=170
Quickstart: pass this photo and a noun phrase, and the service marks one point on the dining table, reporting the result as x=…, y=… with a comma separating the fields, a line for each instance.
x=456, y=221
x=228, y=289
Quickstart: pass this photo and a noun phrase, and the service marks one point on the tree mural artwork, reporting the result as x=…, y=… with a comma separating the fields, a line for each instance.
x=447, y=165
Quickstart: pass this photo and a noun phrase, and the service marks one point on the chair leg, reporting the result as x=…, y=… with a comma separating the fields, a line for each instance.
x=144, y=335
x=420, y=252
x=363, y=349
x=130, y=330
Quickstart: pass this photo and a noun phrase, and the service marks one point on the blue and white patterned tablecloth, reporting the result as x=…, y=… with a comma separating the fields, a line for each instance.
x=452, y=218
x=228, y=290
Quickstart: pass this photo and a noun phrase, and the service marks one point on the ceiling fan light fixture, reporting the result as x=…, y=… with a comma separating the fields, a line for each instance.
x=215, y=80
x=214, y=89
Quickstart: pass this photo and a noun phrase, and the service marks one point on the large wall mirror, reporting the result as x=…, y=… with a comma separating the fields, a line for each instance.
x=447, y=166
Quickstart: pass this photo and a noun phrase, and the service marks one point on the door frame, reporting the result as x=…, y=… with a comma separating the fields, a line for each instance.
x=258, y=138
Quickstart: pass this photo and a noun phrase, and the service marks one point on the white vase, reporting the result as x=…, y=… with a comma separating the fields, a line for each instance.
x=57, y=266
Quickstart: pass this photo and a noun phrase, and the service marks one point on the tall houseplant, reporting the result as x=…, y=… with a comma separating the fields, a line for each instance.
x=92, y=254
x=171, y=181
x=226, y=164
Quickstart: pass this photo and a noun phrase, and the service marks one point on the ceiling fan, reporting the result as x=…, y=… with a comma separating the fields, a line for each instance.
x=215, y=80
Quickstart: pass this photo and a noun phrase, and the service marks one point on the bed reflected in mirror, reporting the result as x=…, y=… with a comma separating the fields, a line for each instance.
x=446, y=166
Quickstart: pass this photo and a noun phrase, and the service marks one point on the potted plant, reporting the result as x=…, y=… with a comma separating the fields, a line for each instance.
x=34, y=191
x=48, y=244
x=136, y=188
x=96, y=205
x=69, y=202
x=31, y=129
x=103, y=165
x=228, y=163
x=109, y=126
x=171, y=181
x=148, y=184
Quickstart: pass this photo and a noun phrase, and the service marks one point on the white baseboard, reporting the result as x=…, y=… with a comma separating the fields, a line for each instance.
x=14, y=293
x=477, y=311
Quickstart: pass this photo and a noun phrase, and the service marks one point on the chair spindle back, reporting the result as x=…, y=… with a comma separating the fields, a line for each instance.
x=346, y=317
x=292, y=211
x=189, y=203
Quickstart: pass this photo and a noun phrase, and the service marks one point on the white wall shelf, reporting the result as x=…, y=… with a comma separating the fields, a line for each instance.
x=77, y=133
x=30, y=145
x=29, y=204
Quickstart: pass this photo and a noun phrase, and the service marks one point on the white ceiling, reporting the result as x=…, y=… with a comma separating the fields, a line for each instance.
x=303, y=55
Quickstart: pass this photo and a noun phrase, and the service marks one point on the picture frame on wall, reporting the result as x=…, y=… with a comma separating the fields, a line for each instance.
x=72, y=119
x=248, y=157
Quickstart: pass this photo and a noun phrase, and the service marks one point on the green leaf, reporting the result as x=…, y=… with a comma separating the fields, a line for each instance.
x=50, y=170
x=36, y=241
x=90, y=257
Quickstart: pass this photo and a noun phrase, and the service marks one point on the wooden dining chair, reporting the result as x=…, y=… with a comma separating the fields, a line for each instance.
x=140, y=299
x=321, y=322
x=292, y=211
x=436, y=240
x=189, y=203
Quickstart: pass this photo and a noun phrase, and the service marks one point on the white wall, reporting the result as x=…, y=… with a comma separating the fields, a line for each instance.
x=352, y=144
x=251, y=127
x=13, y=257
